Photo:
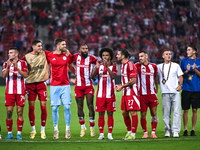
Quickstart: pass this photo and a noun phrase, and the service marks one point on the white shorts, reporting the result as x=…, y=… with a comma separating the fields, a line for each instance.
x=60, y=92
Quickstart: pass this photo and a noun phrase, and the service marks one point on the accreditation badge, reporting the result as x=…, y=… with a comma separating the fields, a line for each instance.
x=163, y=81
x=190, y=77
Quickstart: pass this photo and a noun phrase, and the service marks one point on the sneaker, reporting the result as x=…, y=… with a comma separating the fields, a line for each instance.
x=43, y=135
x=110, y=136
x=153, y=135
x=67, y=134
x=9, y=136
x=101, y=136
x=32, y=135
x=145, y=136
x=167, y=134
x=19, y=137
x=175, y=134
x=92, y=132
x=129, y=137
x=82, y=134
x=56, y=135
x=192, y=133
x=185, y=133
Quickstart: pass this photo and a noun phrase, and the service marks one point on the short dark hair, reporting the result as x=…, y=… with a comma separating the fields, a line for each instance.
x=15, y=48
x=125, y=53
x=143, y=52
x=35, y=42
x=106, y=49
x=58, y=40
x=193, y=47
x=165, y=51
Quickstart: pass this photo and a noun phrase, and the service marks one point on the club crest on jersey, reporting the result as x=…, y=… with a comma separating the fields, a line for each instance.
x=64, y=58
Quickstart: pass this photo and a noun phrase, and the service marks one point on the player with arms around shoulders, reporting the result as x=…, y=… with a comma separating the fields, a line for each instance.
x=60, y=60
x=105, y=98
x=130, y=102
x=36, y=85
x=147, y=81
x=84, y=87
x=14, y=70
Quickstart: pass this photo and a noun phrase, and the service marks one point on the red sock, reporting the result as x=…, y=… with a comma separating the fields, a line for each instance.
x=127, y=121
x=92, y=123
x=31, y=115
x=134, y=123
x=9, y=124
x=101, y=123
x=153, y=126
x=19, y=125
x=43, y=115
x=82, y=122
x=110, y=123
x=143, y=122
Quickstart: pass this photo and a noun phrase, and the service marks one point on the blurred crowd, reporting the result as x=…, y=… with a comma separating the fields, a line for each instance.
x=150, y=25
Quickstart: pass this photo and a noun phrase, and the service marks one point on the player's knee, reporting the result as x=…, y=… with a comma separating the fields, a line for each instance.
x=110, y=113
x=91, y=107
x=19, y=113
x=9, y=114
x=55, y=108
x=101, y=113
x=67, y=108
x=154, y=119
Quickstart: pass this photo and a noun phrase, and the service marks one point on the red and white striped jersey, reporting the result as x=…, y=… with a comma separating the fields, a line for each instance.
x=84, y=69
x=128, y=71
x=15, y=83
x=146, y=78
x=106, y=85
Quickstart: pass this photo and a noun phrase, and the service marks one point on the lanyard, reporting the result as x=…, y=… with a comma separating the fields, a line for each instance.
x=168, y=71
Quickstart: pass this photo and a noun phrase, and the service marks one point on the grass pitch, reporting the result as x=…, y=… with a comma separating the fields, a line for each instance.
x=88, y=142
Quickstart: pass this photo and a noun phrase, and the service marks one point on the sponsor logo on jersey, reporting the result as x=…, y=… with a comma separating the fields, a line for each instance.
x=64, y=58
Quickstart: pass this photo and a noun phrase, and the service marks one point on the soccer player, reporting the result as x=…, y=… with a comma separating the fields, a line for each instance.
x=191, y=87
x=36, y=85
x=105, y=98
x=130, y=100
x=147, y=80
x=14, y=70
x=84, y=86
x=171, y=80
x=59, y=60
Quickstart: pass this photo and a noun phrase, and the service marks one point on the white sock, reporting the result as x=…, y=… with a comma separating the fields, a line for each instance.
x=56, y=128
x=43, y=128
x=33, y=128
x=152, y=132
x=82, y=126
x=67, y=127
x=91, y=127
x=133, y=134
x=129, y=132
x=10, y=132
x=19, y=132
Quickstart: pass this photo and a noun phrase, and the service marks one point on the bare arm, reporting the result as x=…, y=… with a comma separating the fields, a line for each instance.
x=93, y=74
x=5, y=73
x=195, y=70
x=22, y=73
x=188, y=69
x=130, y=83
x=180, y=83
x=71, y=68
x=112, y=75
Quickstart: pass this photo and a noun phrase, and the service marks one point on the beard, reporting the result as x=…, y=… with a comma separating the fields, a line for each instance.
x=84, y=54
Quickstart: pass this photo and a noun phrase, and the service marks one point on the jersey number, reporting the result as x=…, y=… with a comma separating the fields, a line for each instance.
x=130, y=102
